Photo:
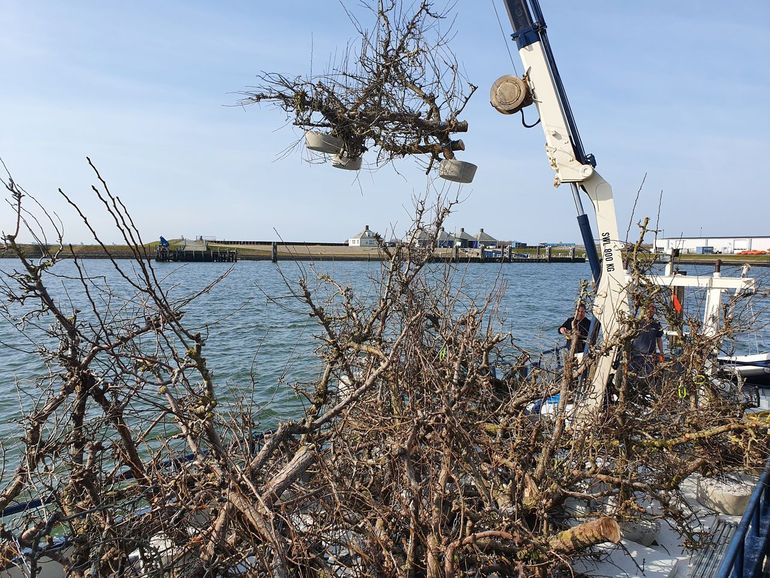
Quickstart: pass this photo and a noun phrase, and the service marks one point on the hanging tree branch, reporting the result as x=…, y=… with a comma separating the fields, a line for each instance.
x=400, y=93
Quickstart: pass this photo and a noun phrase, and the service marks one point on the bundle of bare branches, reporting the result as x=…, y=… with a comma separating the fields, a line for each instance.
x=420, y=452
x=439, y=465
x=399, y=91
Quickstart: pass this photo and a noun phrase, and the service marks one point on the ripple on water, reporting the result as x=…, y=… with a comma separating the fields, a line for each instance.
x=260, y=339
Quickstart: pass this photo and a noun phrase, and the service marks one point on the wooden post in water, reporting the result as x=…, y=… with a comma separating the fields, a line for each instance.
x=572, y=253
x=548, y=253
x=455, y=252
x=274, y=252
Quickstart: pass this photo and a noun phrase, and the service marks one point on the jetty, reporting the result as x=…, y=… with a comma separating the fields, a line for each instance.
x=197, y=250
x=307, y=251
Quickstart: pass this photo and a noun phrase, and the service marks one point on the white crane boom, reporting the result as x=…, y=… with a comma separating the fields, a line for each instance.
x=542, y=86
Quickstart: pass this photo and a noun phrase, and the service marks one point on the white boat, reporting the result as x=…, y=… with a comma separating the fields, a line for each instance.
x=753, y=369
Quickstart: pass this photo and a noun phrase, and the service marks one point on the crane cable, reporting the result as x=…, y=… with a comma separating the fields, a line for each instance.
x=505, y=40
x=513, y=62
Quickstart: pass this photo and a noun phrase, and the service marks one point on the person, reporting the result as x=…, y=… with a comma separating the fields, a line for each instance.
x=745, y=270
x=649, y=338
x=582, y=325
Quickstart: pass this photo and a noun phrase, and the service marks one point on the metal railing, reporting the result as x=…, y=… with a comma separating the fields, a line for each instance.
x=746, y=554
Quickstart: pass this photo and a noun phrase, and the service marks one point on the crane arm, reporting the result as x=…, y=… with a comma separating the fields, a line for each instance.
x=563, y=145
x=572, y=165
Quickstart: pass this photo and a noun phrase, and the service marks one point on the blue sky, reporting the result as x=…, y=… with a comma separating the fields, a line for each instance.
x=676, y=90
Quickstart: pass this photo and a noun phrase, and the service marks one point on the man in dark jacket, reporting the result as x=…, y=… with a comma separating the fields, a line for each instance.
x=581, y=324
x=647, y=341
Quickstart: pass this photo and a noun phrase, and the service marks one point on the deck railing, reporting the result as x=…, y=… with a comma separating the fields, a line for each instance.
x=746, y=554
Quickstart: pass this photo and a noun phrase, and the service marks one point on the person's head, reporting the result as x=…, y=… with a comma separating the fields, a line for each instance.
x=650, y=310
x=581, y=311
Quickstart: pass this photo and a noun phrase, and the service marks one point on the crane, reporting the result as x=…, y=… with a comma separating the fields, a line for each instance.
x=541, y=85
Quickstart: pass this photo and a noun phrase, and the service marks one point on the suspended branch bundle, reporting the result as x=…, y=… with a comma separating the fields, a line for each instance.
x=397, y=90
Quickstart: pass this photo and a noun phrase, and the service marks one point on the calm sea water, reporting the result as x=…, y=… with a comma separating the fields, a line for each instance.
x=260, y=337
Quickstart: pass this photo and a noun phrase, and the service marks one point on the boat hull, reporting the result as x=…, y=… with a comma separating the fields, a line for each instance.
x=753, y=369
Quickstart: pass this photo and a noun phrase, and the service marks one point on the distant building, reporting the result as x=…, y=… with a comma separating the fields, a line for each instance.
x=444, y=240
x=422, y=238
x=464, y=240
x=726, y=245
x=366, y=238
x=484, y=240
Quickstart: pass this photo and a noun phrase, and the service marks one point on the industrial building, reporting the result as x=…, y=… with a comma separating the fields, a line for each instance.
x=707, y=245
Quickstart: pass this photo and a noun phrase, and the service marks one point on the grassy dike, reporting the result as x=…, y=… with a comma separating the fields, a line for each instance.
x=285, y=252
x=312, y=252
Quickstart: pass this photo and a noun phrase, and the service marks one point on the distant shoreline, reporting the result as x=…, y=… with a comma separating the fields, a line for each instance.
x=262, y=251
x=307, y=252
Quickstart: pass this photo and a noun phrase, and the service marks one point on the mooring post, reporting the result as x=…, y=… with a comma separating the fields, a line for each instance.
x=274, y=252
x=548, y=253
x=455, y=252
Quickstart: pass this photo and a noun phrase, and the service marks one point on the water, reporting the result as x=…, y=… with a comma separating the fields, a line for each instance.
x=260, y=338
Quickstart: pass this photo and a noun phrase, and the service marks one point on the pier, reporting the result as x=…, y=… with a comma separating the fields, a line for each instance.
x=276, y=251
x=195, y=251
x=180, y=255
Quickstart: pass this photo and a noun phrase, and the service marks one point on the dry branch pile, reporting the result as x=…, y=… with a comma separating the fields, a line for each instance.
x=418, y=454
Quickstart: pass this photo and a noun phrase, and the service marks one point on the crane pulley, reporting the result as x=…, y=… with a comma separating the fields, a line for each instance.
x=510, y=94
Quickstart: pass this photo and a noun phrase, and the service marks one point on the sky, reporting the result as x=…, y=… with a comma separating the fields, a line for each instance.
x=671, y=97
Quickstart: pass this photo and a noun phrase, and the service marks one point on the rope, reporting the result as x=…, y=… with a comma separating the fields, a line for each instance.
x=505, y=39
x=513, y=63
x=752, y=320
